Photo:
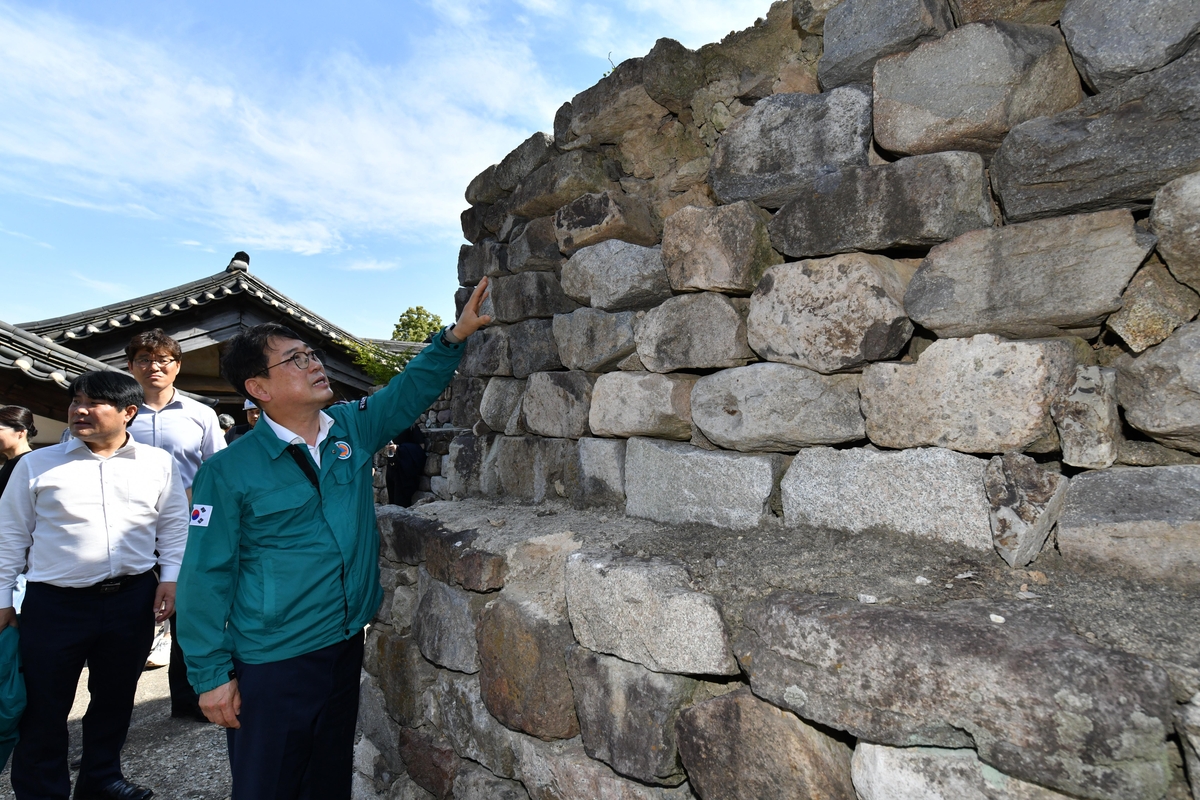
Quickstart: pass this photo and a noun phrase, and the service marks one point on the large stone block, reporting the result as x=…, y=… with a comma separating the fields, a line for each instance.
x=432, y=763
x=786, y=140
x=1087, y=419
x=693, y=331
x=977, y=395
x=405, y=678
x=465, y=461
x=722, y=249
x=1187, y=725
x=809, y=15
x=915, y=201
x=376, y=724
x=627, y=714
x=1152, y=307
x=928, y=492
x=466, y=395
x=1030, y=12
x=557, y=404
x=523, y=160
x=736, y=747
x=470, y=728
x=530, y=469
x=1090, y=721
x=535, y=248
x=617, y=276
x=527, y=295
x=444, y=624
x=642, y=404
x=1114, y=150
x=671, y=74
x=1033, y=279
x=1113, y=41
x=489, y=257
x=471, y=220
x=593, y=340
x=860, y=32
x=523, y=669
x=830, y=314
x=966, y=90
x=1026, y=501
x=473, y=782
x=500, y=409
x=1160, y=390
x=617, y=103
x=484, y=189
x=644, y=610
x=1142, y=518
x=1175, y=218
x=531, y=347
x=918, y=773
x=601, y=473
x=595, y=218
x=677, y=483
x=486, y=353
x=563, y=771
x=776, y=407
x=558, y=182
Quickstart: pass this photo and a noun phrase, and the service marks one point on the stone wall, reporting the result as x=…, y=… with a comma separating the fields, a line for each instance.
x=914, y=268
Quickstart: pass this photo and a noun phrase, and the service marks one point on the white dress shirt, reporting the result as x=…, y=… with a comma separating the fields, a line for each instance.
x=292, y=438
x=186, y=429
x=76, y=519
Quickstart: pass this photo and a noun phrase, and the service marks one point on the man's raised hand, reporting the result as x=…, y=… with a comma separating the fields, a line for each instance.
x=470, y=320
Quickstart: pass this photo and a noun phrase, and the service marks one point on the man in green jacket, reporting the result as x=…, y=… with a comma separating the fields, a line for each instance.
x=281, y=570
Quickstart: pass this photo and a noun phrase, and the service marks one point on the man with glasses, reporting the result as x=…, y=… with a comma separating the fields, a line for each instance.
x=191, y=433
x=281, y=571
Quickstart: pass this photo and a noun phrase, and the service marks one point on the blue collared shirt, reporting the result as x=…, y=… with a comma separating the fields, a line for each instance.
x=186, y=429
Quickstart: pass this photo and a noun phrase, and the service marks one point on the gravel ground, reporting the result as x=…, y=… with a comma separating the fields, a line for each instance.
x=179, y=759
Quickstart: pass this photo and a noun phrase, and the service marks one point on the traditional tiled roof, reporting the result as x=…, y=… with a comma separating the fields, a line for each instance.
x=235, y=280
x=42, y=359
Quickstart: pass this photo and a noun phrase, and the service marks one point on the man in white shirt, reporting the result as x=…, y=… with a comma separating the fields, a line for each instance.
x=190, y=432
x=89, y=519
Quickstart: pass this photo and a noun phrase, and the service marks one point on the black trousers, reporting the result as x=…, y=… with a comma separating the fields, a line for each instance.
x=298, y=716
x=61, y=629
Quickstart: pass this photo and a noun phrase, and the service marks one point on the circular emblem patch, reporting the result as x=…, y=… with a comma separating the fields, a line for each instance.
x=342, y=449
x=195, y=514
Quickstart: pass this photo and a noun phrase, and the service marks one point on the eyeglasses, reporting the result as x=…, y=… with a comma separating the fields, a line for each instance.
x=161, y=363
x=300, y=360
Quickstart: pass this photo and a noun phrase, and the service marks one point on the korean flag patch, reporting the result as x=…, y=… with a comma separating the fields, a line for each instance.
x=200, y=515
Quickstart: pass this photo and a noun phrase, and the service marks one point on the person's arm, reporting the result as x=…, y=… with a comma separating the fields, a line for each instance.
x=170, y=538
x=214, y=437
x=17, y=520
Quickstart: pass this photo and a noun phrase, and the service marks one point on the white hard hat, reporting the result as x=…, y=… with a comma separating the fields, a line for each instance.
x=249, y=404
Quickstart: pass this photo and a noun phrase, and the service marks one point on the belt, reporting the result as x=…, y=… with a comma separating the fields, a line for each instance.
x=110, y=586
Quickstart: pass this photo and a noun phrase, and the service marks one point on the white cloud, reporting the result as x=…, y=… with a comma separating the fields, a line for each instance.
x=26, y=237
x=370, y=265
x=107, y=289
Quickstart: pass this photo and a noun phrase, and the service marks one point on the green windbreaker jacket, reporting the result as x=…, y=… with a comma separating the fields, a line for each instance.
x=273, y=570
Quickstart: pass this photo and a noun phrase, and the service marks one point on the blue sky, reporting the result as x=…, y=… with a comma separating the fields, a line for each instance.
x=143, y=143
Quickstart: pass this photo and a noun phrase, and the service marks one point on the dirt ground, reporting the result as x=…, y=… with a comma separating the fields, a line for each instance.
x=178, y=759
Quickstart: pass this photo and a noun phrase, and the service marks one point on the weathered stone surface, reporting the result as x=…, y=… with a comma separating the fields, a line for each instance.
x=927, y=492
x=722, y=249
x=977, y=395
x=1113, y=150
x=1151, y=454
x=484, y=189
x=470, y=727
x=671, y=74
x=401, y=604
x=593, y=340
x=1030, y=12
x=916, y=201
x=472, y=223
x=809, y=15
x=769, y=57
x=617, y=103
x=643, y=610
x=1175, y=218
x=431, y=762
x=467, y=394
x=601, y=472
x=1187, y=725
x=473, y=782
x=535, y=248
x=1153, y=305
x=557, y=403
x=595, y=218
x=1087, y=418
x=1160, y=390
x=444, y=624
x=776, y=407
x=786, y=140
x=967, y=89
x=642, y=404
x=405, y=678
x=526, y=295
x=627, y=714
x=501, y=408
x=563, y=771
x=486, y=353
x=736, y=747
x=676, y=482
x=1144, y=518
x=672, y=155
x=617, y=276
x=829, y=314
x=558, y=182
x=465, y=460
x=860, y=32
x=376, y=725
x=523, y=669
x=1026, y=501
x=1113, y=41
x=524, y=159
x=917, y=773
x=693, y=331
x=531, y=347
x=1033, y=279
x=1091, y=721
x=489, y=257
x=529, y=469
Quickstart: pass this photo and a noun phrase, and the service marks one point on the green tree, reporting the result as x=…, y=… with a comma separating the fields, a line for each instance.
x=415, y=325
x=380, y=365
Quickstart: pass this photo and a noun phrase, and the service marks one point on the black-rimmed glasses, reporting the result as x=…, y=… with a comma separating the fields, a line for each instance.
x=300, y=360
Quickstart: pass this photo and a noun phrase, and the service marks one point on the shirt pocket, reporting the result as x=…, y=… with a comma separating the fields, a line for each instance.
x=289, y=498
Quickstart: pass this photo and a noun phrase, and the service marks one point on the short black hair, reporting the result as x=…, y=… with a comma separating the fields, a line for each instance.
x=115, y=388
x=245, y=355
x=153, y=341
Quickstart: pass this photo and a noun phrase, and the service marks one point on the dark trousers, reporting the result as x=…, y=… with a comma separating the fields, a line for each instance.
x=184, y=702
x=298, y=716
x=60, y=630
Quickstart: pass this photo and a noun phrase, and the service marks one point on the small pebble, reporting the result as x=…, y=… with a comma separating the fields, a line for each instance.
x=962, y=576
x=497, y=523
x=1028, y=595
x=868, y=598
x=996, y=618
x=949, y=585
x=922, y=580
